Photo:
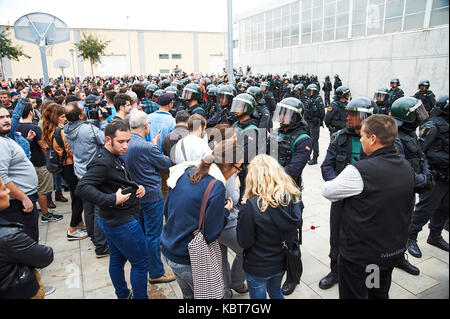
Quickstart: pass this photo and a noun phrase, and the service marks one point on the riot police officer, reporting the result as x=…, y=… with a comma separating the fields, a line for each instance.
x=315, y=80
x=395, y=91
x=300, y=94
x=327, y=88
x=345, y=148
x=164, y=84
x=222, y=114
x=211, y=100
x=248, y=135
x=289, y=91
x=268, y=97
x=408, y=113
x=381, y=98
x=291, y=145
x=262, y=113
x=314, y=116
x=192, y=95
x=337, y=83
x=433, y=204
x=335, y=119
x=425, y=95
x=178, y=105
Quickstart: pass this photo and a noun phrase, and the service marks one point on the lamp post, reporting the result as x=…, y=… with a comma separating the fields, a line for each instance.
x=72, y=51
x=230, y=42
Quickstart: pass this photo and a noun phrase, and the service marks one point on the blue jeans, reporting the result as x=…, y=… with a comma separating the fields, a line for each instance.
x=127, y=242
x=257, y=286
x=151, y=219
x=183, y=275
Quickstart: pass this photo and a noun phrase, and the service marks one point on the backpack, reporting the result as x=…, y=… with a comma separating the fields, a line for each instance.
x=53, y=162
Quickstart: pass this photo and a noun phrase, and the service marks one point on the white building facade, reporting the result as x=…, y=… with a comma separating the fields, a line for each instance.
x=366, y=42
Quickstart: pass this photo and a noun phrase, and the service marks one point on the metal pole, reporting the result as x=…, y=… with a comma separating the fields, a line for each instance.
x=129, y=47
x=230, y=43
x=44, y=62
x=73, y=64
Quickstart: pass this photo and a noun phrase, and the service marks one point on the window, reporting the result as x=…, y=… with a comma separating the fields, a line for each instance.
x=306, y=21
x=394, y=15
x=414, y=14
x=269, y=30
x=439, y=12
x=176, y=56
x=164, y=71
x=295, y=23
x=163, y=56
x=375, y=14
x=317, y=20
x=285, y=20
x=359, y=18
x=342, y=19
x=329, y=21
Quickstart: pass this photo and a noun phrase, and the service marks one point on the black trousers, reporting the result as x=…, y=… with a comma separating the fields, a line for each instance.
x=69, y=176
x=336, y=211
x=14, y=213
x=432, y=206
x=353, y=281
x=315, y=134
x=93, y=229
x=327, y=98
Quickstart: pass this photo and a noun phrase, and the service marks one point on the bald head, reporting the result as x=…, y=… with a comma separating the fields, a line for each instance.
x=74, y=112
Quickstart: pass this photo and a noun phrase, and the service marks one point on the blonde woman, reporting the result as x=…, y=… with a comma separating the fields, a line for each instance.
x=272, y=207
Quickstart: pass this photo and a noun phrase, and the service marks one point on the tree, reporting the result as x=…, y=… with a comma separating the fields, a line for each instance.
x=8, y=50
x=91, y=48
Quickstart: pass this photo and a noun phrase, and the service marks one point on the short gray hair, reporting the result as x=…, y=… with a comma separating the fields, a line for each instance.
x=138, y=120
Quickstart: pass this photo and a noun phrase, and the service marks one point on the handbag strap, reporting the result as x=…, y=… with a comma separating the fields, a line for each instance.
x=201, y=220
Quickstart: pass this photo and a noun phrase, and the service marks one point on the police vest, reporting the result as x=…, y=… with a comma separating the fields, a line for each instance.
x=438, y=151
x=339, y=120
x=348, y=149
x=286, y=144
x=412, y=151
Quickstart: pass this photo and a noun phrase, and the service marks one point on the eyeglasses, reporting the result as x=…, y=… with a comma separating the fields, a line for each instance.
x=238, y=168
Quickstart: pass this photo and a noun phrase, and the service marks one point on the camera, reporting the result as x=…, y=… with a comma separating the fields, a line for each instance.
x=93, y=109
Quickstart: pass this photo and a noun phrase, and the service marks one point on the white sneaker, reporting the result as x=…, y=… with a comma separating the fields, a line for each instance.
x=76, y=235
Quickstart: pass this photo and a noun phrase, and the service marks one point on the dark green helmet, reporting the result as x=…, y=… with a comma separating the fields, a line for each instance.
x=185, y=81
x=312, y=89
x=408, y=110
x=243, y=103
x=396, y=81
x=257, y=94
x=152, y=88
x=442, y=104
x=227, y=90
x=178, y=85
x=299, y=88
x=165, y=83
x=158, y=93
x=210, y=86
x=146, y=83
x=212, y=91
x=289, y=111
x=363, y=105
x=264, y=86
x=291, y=87
x=172, y=89
x=424, y=83
x=192, y=91
x=343, y=92
x=381, y=95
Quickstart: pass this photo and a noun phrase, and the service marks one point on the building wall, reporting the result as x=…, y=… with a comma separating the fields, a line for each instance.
x=146, y=46
x=366, y=64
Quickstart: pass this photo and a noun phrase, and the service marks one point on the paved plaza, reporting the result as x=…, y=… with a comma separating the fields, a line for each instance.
x=77, y=274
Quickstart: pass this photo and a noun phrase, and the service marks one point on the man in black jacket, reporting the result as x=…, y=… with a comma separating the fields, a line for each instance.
x=103, y=183
x=19, y=255
x=378, y=196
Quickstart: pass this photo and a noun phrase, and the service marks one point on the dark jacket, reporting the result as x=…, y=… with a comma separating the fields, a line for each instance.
x=172, y=138
x=105, y=174
x=375, y=223
x=19, y=254
x=260, y=237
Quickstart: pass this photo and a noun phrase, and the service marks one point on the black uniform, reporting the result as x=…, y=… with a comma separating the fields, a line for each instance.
x=270, y=101
x=384, y=107
x=294, y=149
x=433, y=204
x=327, y=88
x=428, y=99
x=197, y=109
x=394, y=95
x=264, y=117
x=345, y=148
x=314, y=116
x=336, y=117
x=337, y=84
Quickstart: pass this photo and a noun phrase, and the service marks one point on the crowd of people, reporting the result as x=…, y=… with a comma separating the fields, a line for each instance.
x=138, y=154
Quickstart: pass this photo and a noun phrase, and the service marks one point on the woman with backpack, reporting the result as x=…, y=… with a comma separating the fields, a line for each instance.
x=54, y=118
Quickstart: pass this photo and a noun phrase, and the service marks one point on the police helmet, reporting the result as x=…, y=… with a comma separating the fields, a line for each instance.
x=424, y=83
x=343, y=92
x=381, y=95
x=158, y=93
x=395, y=81
x=227, y=91
x=165, y=83
x=152, y=88
x=257, y=94
x=289, y=111
x=299, y=88
x=192, y=91
x=172, y=89
x=312, y=89
x=442, y=104
x=362, y=106
x=243, y=103
x=408, y=110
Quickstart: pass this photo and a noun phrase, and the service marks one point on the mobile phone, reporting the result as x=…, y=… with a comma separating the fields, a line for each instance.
x=128, y=190
x=226, y=202
x=159, y=132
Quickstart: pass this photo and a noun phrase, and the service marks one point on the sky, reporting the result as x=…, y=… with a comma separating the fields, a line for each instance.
x=193, y=15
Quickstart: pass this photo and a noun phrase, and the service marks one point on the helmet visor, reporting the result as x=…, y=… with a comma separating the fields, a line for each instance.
x=380, y=96
x=238, y=105
x=362, y=113
x=284, y=115
x=420, y=110
x=264, y=87
x=187, y=94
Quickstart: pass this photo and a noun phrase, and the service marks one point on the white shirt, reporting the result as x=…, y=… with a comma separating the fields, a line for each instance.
x=348, y=184
x=195, y=149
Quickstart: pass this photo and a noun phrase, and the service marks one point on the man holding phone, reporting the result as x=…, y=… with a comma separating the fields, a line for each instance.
x=108, y=184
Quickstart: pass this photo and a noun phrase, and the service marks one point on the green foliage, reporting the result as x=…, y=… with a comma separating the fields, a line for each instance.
x=8, y=50
x=91, y=48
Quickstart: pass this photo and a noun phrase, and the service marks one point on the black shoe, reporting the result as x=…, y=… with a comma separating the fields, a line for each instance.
x=329, y=280
x=50, y=203
x=49, y=218
x=313, y=161
x=406, y=266
x=438, y=242
x=102, y=253
x=288, y=288
x=446, y=225
x=413, y=248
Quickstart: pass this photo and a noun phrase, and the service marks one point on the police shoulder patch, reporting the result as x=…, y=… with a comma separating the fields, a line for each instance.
x=330, y=109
